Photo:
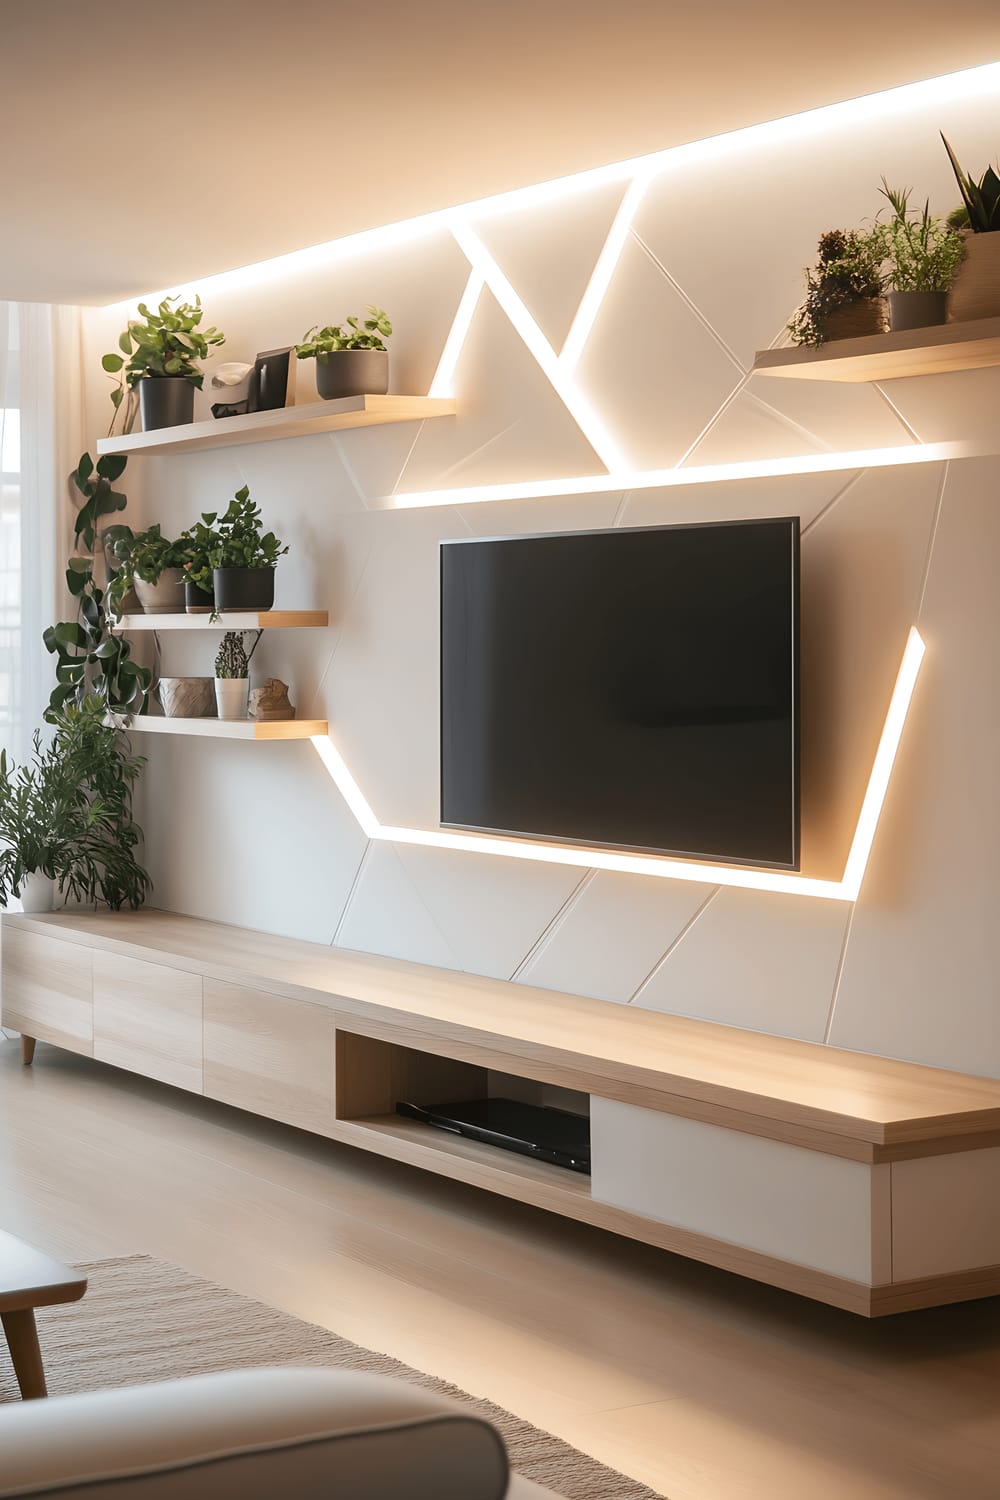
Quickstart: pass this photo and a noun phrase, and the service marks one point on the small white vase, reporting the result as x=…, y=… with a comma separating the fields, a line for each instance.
x=37, y=893
x=231, y=695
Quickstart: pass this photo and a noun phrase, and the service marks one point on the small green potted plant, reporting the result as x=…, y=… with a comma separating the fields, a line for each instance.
x=201, y=542
x=160, y=354
x=152, y=564
x=232, y=677
x=351, y=360
x=923, y=254
x=976, y=292
x=235, y=557
x=844, y=289
x=66, y=816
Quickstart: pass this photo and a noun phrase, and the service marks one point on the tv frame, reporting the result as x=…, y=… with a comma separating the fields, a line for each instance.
x=794, y=523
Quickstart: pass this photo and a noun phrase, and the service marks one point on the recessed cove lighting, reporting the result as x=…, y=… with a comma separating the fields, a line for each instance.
x=845, y=889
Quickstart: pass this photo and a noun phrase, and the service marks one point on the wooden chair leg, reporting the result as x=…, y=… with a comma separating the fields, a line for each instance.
x=26, y=1356
x=27, y=1050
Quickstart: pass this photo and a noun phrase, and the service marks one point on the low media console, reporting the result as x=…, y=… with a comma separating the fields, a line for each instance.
x=856, y=1180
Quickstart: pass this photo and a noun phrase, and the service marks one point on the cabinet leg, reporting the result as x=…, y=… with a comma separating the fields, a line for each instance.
x=27, y=1050
x=26, y=1356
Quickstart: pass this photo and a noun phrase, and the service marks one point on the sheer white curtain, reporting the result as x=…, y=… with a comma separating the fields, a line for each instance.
x=40, y=442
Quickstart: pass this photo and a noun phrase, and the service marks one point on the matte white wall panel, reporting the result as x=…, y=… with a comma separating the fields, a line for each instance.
x=801, y=1206
x=611, y=935
x=920, y=977
x=756, y=960
x=386, y=914
x=937, y=406
x=945, y=1214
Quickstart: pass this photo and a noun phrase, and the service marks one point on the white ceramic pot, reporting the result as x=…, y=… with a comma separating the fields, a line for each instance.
x=37, y=893
x=165, y=596
x=231, y=695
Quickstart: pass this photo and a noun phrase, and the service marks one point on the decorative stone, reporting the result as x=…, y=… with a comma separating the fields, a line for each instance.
x=271, y=701
x=187, y=697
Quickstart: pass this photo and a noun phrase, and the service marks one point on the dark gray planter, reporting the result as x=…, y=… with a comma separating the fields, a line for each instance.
x=197, y=601
x=916, y=310
x=165, y=402
x=352, y=372
x=244, y=588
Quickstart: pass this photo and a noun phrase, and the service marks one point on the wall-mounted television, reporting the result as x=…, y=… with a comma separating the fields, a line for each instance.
x=629, y=689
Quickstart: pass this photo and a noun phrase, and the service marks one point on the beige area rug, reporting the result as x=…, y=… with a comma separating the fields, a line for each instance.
x=143, y=1320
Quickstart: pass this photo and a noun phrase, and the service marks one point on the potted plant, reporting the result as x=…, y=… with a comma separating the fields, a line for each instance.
x=351, y=361
x=66, y=816
x=844, y=289
x=976, y=292
x=159, y=356
x=152, y=564
x=235, y=557
x=201, y=542
x=923, y=253
x=232, y=677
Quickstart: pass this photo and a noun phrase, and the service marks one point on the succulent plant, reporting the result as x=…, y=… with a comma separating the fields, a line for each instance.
x=981, y=200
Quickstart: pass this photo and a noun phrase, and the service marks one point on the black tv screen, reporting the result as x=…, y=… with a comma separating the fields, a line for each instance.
x=631, y=689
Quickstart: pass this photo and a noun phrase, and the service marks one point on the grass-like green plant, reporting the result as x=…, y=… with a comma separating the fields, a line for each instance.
x=232, y=659
x=67, y=813
x=923, y=252
x=156, y=346
x=320, y=343
x=236, y=539
x=849, y=270
x=90, y=659
x=980, y=210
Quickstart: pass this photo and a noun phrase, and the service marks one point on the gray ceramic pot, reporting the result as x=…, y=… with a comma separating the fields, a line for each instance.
x=165, y=596
x=916, y=310
x=187, y=697
x=165, y=402
x=352, y=372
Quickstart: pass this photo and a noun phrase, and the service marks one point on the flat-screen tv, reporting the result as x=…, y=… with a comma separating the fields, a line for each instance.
x=629, y=689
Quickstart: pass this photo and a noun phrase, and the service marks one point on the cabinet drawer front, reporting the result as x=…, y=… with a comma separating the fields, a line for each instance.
x=796, y=1205
x=47, y=990
x=147, y=1018
x=271, y=1055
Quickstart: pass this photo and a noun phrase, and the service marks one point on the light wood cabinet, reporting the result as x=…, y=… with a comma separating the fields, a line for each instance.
x=147, y=1018
x=48, y=989
x=269, y=1054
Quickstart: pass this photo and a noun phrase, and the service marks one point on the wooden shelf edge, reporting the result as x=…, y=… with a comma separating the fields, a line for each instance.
x=286, y=422
x=889, y=356
x=271, y=619
x=226, y=729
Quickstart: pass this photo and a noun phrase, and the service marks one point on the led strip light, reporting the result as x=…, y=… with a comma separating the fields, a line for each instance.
x=845, y=889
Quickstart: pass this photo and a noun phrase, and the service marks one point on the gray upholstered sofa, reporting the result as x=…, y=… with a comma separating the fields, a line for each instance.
x=256, y=1435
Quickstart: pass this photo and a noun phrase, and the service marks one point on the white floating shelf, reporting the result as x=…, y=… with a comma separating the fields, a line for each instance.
x=227, y=729
x=269, y=619
x=890, y=356
x=286, y=422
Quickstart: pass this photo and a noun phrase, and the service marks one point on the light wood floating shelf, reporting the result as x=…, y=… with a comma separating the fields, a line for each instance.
x=230, y=729
x=890, y=356
x=286, y=422
x=253, y=619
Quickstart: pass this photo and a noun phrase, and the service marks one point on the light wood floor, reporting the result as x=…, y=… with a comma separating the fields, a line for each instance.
x=703, y=1386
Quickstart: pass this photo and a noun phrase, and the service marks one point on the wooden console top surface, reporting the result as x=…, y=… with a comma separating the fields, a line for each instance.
x=869, y=1108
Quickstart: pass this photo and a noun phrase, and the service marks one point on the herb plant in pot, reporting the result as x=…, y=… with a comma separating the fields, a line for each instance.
x=151, y=563
x=351, y=361
x=976, y=292
x=923, y=255
x=844, y=289
x=232, y=677
x=160, y=354
x=243, y=557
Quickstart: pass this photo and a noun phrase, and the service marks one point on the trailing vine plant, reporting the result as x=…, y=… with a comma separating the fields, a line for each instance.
x=90, y=660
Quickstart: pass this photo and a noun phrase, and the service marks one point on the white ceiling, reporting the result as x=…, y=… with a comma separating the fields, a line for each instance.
x=151, y=143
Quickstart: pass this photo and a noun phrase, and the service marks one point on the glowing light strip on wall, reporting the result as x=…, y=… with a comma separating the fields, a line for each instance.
x=604, y=269
x=845, y=889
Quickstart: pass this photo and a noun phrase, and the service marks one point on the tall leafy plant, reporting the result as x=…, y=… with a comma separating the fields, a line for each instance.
x=155, y=346
x=90, y=659
x=235, y=539
x=67, y=812
x=923, y=251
